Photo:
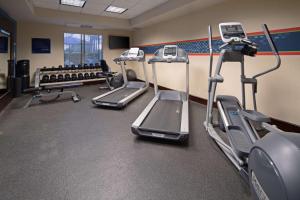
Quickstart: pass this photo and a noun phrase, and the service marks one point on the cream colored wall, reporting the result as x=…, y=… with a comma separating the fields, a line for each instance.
x=4, y=67
x=278, y=92
x=27, y=30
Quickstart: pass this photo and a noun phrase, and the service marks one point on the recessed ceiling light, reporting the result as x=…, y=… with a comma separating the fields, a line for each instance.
x=76, y=3
x=115, y=9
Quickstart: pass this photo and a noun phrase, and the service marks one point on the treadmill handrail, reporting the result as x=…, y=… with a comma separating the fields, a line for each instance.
x=121, y=59
x=139, y=58
x=163, y=60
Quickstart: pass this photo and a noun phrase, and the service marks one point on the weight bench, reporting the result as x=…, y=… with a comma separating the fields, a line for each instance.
x=47, y=92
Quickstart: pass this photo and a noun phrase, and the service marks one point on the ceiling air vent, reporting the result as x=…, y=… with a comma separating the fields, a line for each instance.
x=86, y=26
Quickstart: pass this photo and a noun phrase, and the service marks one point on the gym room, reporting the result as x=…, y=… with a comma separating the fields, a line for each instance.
x=149, y=99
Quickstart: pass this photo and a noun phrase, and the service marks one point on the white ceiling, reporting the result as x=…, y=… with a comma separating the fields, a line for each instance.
x=140, y=13
x=97, y=7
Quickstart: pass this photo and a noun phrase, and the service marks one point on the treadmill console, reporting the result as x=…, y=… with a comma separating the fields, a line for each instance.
x=170, y=52
x=232, y=31
x=133, y=52
x=131, y=55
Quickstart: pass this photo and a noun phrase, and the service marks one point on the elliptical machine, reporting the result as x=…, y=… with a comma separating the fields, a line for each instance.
x=270, y=164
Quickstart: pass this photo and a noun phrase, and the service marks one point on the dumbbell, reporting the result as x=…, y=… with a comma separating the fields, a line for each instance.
x=99, y=75
x=60, y=78
x=53, y=78
x=86, y=76
x=92, y=75
x=60, y=67
x=79, y=66
x=80, y=76
x=45, y=79
x=53, y=68
x=73, y=67
x=74, y=77
x=67, y=77
x=68, y=67
x=97, y=66
x=85, y=66
x=91, y=66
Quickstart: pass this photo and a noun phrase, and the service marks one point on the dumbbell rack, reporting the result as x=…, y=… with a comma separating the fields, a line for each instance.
x=50, y=90
x=40, y=72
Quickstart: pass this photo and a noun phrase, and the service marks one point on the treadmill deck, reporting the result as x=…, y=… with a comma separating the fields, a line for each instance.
x=165, y=117
x=117, y=96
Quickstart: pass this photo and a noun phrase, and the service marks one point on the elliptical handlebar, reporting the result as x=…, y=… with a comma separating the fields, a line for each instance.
x=274, y=50
x=210, y=50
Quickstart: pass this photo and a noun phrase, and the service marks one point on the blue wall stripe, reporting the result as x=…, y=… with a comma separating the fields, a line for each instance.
x=285, y=42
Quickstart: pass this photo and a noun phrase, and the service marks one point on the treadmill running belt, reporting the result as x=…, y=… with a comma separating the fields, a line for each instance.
x=165, y=116
x=117, y=96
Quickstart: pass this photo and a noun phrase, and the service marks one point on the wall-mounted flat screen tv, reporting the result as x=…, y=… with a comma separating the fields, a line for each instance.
x=3, y=44
x=119, y=42
x=41, y=45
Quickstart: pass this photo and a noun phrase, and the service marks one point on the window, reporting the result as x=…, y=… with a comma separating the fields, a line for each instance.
x=81, y=48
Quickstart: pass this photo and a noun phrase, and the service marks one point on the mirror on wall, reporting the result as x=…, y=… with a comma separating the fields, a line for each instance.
x=4, y=57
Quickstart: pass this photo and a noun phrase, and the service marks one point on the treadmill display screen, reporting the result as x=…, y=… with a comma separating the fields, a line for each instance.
x=230, y=31
x=170, y=51
x=133, y=52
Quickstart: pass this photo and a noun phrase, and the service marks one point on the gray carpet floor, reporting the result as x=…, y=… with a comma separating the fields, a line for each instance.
x=74, y=151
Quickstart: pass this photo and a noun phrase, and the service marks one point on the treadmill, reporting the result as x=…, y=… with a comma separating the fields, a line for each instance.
x=120, y=97
x=167, y=115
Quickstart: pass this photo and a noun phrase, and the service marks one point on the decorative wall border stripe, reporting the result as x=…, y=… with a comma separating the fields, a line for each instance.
x=287, y=41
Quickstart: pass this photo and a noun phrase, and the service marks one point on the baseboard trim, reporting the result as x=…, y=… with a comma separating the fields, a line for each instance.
x=2, y=91
x=5, y=99
x=286, y=126
x=283, y=125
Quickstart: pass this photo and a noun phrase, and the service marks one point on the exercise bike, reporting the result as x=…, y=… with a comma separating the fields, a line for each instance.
x=271, y=163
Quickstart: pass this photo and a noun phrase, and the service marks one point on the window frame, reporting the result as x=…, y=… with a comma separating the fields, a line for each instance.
x=83, y=46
